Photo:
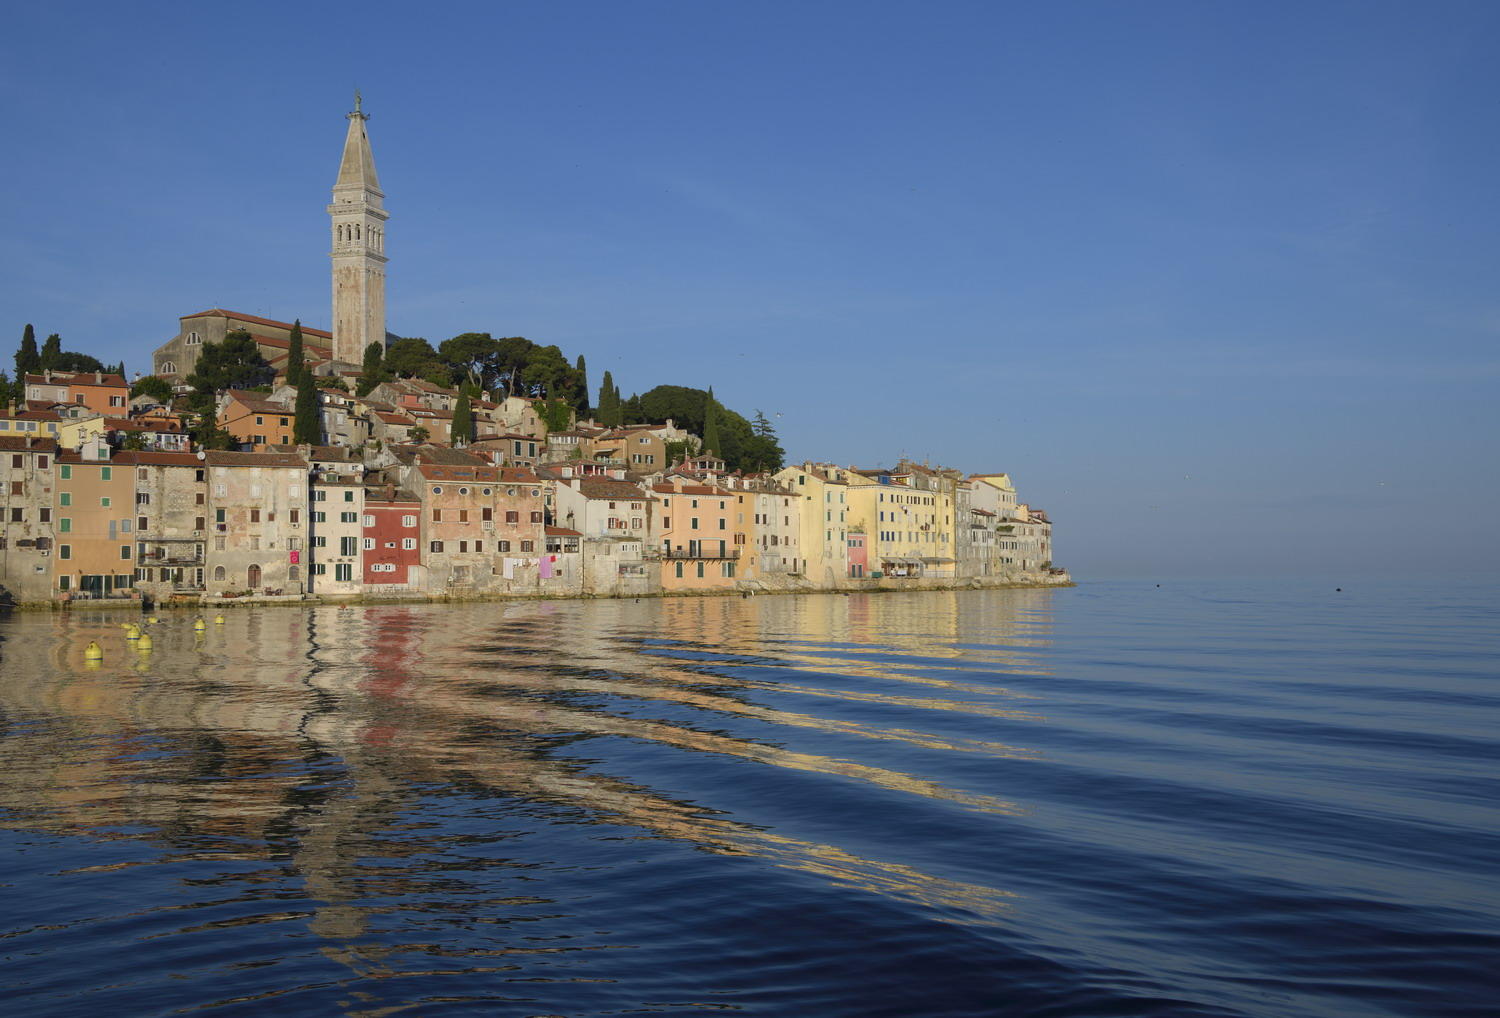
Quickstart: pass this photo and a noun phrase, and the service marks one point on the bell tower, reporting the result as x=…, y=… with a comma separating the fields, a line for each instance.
x=358, y=221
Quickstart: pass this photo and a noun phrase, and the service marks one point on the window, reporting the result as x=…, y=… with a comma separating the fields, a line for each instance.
x=693, y=523
x=106, y=473
x=218, y=515
x=140, y=522
x=728, y=569
x=296, y=515
x=319, y=495
x=479, y=546
x=45, y=514
x=536, y=517
x=65, y=472
x=528, y=545
x=679, y=570
x=700, y=570
x=254, y=515
x=18, y=515
x=369, y=520
x=437, y=516
x=343, y=572
x=348, y=517
x=320, y=542
x=125, y=551
x=721, y=523
x=502, y=546
x=318, y=517
x=409, y=544
x=435, y=546
x=348, y=546
x=486, y=515
x=437, y=489
x=349, y=495
x=409, y=521
x=64, y=551
x=512, y=516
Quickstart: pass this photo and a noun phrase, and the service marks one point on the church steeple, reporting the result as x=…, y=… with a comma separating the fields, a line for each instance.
x=358, y=219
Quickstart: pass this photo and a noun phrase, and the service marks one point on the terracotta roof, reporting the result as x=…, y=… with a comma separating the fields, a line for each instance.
x=394, y=418
x=594, y=487
x=35, y=415
x=286, y=344
x=448, y=456
x=436, y=472
x=221, y=313
x=257, y=402
x=159, y=459
x=692, y=489
x=79, y=378
x=23, y=443
x=552, y=531
x=518, y=475
x=254, y=459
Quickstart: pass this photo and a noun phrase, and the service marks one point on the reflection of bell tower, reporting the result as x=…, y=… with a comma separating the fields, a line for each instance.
x=358, y=247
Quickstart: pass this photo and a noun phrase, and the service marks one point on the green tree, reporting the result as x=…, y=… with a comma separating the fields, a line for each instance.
x=608, y=412
x=154, y=386
x=51, y=352
x=307, y=427
x=28, y=362
x=235, y=363
x=678, y=450
x=462, y=430
x=555, y=413
x=547, y=373
x=711, y=441
x=296, y=361
x=419, y=434
x=67, y=360
x=373, y=371
x=412, y=357
x=581, y=387
x=133, y=441
x=472, y=356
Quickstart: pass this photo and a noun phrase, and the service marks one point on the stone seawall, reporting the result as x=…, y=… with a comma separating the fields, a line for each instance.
x=748, y=588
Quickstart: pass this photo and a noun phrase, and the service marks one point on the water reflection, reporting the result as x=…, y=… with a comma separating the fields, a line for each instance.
x=298, y=745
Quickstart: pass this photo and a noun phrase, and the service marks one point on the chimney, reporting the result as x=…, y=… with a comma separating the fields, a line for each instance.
x=98, y=378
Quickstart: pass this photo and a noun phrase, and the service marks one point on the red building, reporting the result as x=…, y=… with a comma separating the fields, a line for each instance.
x=392, y=538
x=859, y=555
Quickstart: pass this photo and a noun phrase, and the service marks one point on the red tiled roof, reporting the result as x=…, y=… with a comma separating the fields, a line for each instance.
x=254, y=459
x=436, y=472
x=24, y=443
x=221, y=313
x=552, y=531
x=594, y=487
x=159, y=459
x=79, y=378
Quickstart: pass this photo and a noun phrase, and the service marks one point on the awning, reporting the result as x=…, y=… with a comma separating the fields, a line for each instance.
x=899, y=561
x=938, y=561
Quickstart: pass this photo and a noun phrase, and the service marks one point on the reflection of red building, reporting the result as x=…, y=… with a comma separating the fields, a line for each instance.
x=858, y=556
x=392, y=535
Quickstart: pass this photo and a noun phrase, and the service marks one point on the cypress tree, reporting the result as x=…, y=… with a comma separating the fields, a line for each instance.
x=462, y=431
x=295, y=360
x=306, y=427
x=581, y=399
x=711, y=442
x=27, y=362
x=372, y=372
x=51, y=352
x=609, y=402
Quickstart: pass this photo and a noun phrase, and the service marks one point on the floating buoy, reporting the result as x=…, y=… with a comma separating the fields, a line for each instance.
x=199, y=625
x=153, y=620
x=218, y=620
x=144, y=643
x=93, y=652
x=132, y=632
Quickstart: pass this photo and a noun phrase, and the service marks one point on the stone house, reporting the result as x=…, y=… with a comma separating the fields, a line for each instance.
x=560, y=569
x=171, y=524
x=614, y=519
x=257, y=505
x=336, y=537
x=27, y=496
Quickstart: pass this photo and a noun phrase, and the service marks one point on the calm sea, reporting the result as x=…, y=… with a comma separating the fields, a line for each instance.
x=1119, y=799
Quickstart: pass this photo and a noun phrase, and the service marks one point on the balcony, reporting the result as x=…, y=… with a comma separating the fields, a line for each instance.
x=701, y=553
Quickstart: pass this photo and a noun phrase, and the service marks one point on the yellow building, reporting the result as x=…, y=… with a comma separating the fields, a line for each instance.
x=907, y=517
x=824, y=520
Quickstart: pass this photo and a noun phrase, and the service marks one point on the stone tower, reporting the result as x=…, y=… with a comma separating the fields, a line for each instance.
x=358, y=247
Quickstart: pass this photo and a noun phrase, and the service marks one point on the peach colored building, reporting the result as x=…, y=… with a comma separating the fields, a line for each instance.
x=95, y=532
x=102, y=393
x=254, y=420
x=700, y=541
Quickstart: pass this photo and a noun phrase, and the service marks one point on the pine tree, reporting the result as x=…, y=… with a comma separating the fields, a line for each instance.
x=581, y=399
x=307, y=428
x=51, y=352
x=711, y=442
x=462, y=431
x=295, y=360
x=27, y=362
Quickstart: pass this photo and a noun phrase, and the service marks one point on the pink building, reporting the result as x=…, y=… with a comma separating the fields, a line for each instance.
x=858, y=555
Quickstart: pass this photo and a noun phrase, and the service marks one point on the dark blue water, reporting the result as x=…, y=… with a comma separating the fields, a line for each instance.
x=1206, y=800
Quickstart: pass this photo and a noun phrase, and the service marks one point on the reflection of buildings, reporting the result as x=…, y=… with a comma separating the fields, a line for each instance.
x=311, y=732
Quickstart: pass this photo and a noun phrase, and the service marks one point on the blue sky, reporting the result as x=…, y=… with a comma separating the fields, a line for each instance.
x=1217, y=282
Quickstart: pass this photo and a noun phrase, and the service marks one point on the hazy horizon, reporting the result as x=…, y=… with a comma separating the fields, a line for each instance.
x=1215, y=283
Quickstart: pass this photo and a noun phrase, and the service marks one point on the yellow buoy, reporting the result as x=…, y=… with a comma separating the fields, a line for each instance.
x=144, y=643
x=132, y=633
x=93, y=652
x=153, y=620
x=199, y=625
x=218, y=620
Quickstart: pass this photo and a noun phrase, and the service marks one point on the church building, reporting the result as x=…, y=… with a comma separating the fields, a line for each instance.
x=358, y=216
